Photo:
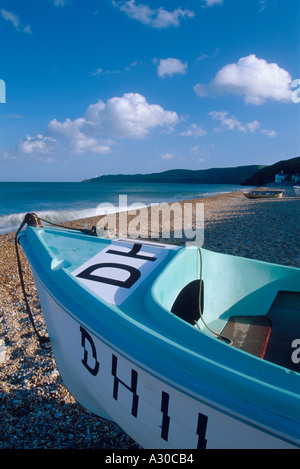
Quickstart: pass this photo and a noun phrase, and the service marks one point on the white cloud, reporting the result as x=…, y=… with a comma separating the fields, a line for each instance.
x=253, y=78
x=253, y=126
x=129, y=116
x=60, y=3
x=170, y=67
x=101, y=71
x=88, y=144
x=27, y=29
x=263, y=5
x=15, y=21
x=33, y=147
x=68, y=130
x=9, y=16
x=194, y=130
x=269, y=133
x=165, y=19
x=232, y=123
x=201, y=90
x=202, y=57
x=73, y=133
x=98, y=71
x=12, y=116
x=256, y=79
x=211, y=3
x=167, y=156
x=38, y=144
x=229, y=123
x=158, y=18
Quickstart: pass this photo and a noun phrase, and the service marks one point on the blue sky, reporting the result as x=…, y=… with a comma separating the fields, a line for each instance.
x=135, y=86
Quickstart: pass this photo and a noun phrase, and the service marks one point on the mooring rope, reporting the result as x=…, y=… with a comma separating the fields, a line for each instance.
x=31, y=219
x=42, y=339
x=220, y=336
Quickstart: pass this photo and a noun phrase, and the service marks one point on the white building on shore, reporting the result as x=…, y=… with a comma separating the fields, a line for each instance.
x=280, y=177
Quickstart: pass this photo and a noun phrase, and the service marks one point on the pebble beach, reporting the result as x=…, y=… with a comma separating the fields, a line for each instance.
x=36, y=410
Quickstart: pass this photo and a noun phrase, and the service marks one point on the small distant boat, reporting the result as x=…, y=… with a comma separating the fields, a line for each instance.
x=262, y=193
x=183, y=347
x=297, y=190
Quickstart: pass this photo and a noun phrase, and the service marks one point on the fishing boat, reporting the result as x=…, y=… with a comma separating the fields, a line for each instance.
x=297, y=190
x=262, y=193
x=183, y=347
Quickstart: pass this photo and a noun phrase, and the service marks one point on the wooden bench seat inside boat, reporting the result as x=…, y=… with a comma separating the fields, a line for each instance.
x=249, y=333
x=269, y=337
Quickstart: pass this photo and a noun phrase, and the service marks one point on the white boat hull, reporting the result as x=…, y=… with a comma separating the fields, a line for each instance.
x=155, y=412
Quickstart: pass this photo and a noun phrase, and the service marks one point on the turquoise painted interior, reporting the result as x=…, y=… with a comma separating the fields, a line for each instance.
x=232, y=285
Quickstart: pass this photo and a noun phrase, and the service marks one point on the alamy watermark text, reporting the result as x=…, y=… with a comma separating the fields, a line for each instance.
x=2, y=91
x=296, y=92
x=169, y=221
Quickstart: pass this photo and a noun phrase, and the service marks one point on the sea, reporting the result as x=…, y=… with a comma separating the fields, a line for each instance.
x=65, y=201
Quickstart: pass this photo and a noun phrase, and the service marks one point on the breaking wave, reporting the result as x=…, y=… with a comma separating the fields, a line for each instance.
x=10, y=223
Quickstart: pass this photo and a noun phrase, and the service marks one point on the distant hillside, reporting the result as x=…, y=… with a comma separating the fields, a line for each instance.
x=266, y=175
x=235, y=175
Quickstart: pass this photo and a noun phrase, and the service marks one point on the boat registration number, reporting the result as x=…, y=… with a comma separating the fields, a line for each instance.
x=116, y=271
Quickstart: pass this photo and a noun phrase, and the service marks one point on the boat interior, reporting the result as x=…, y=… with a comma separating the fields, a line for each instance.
x=255, y=306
